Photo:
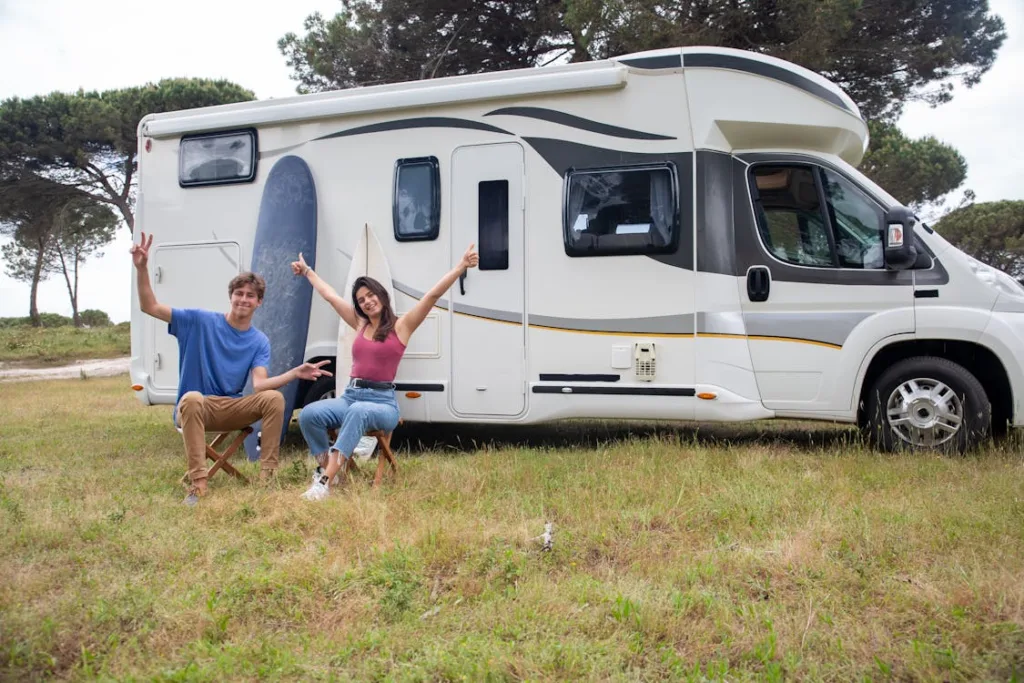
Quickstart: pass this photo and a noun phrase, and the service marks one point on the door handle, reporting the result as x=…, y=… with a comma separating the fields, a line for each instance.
x=758, y=283
x=462, y=284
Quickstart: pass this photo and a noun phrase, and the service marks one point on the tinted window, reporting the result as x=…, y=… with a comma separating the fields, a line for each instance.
x=857, y=221
x=216, y=159
x=493, y=225
x=791, y=222
x=621, y=211
x=417, y=206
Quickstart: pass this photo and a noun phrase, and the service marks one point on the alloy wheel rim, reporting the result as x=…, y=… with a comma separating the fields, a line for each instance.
x=924, y=412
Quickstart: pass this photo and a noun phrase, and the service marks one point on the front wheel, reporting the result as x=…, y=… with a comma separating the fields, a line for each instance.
x=928, y=403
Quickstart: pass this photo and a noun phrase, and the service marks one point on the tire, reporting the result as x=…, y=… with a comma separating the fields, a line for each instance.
x=323, y=388
x=926, y=396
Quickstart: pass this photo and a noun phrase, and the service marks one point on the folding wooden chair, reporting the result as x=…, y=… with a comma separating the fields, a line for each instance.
x=220, y=458
x=385, y=456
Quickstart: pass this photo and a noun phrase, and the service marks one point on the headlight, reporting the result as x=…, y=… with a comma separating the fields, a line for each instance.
x=996, y=278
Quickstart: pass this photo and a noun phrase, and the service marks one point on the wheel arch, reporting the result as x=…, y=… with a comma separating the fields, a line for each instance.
x=976, y=358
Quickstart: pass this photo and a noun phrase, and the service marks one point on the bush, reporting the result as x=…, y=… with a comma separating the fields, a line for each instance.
x=54, y=320
x=94, y=318
x=45, y=319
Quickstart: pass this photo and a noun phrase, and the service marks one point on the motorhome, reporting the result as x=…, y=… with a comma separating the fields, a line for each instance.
x=679, y=234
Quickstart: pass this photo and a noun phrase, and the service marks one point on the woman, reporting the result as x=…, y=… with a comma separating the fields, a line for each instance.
x=368, y=401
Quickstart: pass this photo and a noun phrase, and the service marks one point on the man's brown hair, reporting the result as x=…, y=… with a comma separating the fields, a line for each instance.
x=248, y=278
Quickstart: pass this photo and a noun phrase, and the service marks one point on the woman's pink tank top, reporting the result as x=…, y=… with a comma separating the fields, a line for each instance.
x=376, y=361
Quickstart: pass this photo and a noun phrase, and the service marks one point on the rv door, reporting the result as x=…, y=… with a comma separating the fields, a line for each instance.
x=187, y=276
x=488, y=304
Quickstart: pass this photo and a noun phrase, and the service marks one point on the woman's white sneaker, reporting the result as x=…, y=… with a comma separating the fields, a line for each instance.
x=319, y=490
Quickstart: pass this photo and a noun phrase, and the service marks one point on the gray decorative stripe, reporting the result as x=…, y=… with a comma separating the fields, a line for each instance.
x=716, y=229
x=828, y=327
x=420, y=122
x=777, y=73
x=662, y=62
x=669, y=324
x=489, y=314
x=271, y=153
x=572, y=121
x=721, y=323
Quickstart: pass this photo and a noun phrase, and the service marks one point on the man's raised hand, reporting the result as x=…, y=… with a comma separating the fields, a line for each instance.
x=140, y=252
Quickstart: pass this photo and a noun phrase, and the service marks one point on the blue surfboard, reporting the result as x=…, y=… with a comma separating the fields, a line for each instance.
x=286, y=226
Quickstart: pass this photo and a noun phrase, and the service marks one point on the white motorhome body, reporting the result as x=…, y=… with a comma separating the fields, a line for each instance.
x=678, y=234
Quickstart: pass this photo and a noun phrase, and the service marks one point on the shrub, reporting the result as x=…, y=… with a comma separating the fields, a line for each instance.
x=94, y=318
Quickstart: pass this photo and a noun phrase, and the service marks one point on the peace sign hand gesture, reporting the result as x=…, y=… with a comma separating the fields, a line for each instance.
x=140, y=252
x=312, y=371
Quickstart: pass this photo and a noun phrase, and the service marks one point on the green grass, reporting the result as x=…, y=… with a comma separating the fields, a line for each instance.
x=735, y=553
x=42, y=346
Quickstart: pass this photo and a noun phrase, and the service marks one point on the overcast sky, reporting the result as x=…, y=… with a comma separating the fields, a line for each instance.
x=48, y=45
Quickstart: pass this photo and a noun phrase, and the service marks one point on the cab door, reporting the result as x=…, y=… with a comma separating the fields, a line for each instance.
x=815, y=293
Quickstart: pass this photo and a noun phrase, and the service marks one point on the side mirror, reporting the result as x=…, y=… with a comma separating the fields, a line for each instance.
x=898, y=239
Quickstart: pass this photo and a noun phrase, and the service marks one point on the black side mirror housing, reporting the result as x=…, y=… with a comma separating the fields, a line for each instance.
x=898, y=238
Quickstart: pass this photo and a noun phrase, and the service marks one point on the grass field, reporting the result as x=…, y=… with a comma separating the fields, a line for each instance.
x=764, y=552
x=42, y=346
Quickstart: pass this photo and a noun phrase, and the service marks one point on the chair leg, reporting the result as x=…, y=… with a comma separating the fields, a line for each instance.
x=220, y=460
x=384, y=442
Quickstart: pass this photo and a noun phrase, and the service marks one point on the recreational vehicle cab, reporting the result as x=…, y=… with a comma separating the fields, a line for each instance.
x=680, y=234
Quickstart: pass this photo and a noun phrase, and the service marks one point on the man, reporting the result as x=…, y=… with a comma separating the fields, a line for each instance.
x=216, y=353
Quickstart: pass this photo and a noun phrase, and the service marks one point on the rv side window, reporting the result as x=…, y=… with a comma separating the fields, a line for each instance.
x=217, y=158
x=493, y=224
x=417, y=199
x=631, y=210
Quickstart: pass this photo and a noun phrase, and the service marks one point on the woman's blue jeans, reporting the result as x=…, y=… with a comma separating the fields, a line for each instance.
x=354, y=413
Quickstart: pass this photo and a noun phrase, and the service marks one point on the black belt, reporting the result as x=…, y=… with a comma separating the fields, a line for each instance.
x=369, y=384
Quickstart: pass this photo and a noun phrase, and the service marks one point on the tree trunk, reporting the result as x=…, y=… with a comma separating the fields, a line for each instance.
x=33, y=308
x=72, y=291
x=74, y=295
x=126, y=213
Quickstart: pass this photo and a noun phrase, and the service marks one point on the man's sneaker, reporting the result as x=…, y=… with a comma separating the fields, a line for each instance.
x=192, y=497
x=319, y=489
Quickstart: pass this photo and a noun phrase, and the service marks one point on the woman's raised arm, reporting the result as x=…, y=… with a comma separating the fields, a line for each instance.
x=337, y=302
x=408, y=323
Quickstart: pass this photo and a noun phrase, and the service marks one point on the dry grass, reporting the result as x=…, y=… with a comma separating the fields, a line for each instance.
x=758, y=552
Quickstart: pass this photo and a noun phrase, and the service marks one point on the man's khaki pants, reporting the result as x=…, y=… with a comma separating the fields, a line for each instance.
x=198, y=414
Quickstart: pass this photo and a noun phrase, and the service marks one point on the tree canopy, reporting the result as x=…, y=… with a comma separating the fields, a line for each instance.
x=992, y=232
x=88, y=141
x=882, y=53
x=916, y=172
x=29, y=205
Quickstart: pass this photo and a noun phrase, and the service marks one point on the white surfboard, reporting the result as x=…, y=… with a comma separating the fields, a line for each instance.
x=368, y=259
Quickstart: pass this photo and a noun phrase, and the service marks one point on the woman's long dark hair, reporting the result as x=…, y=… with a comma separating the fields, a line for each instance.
x=387, y=315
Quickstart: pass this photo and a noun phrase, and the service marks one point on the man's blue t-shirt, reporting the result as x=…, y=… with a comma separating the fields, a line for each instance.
x=214, y=358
